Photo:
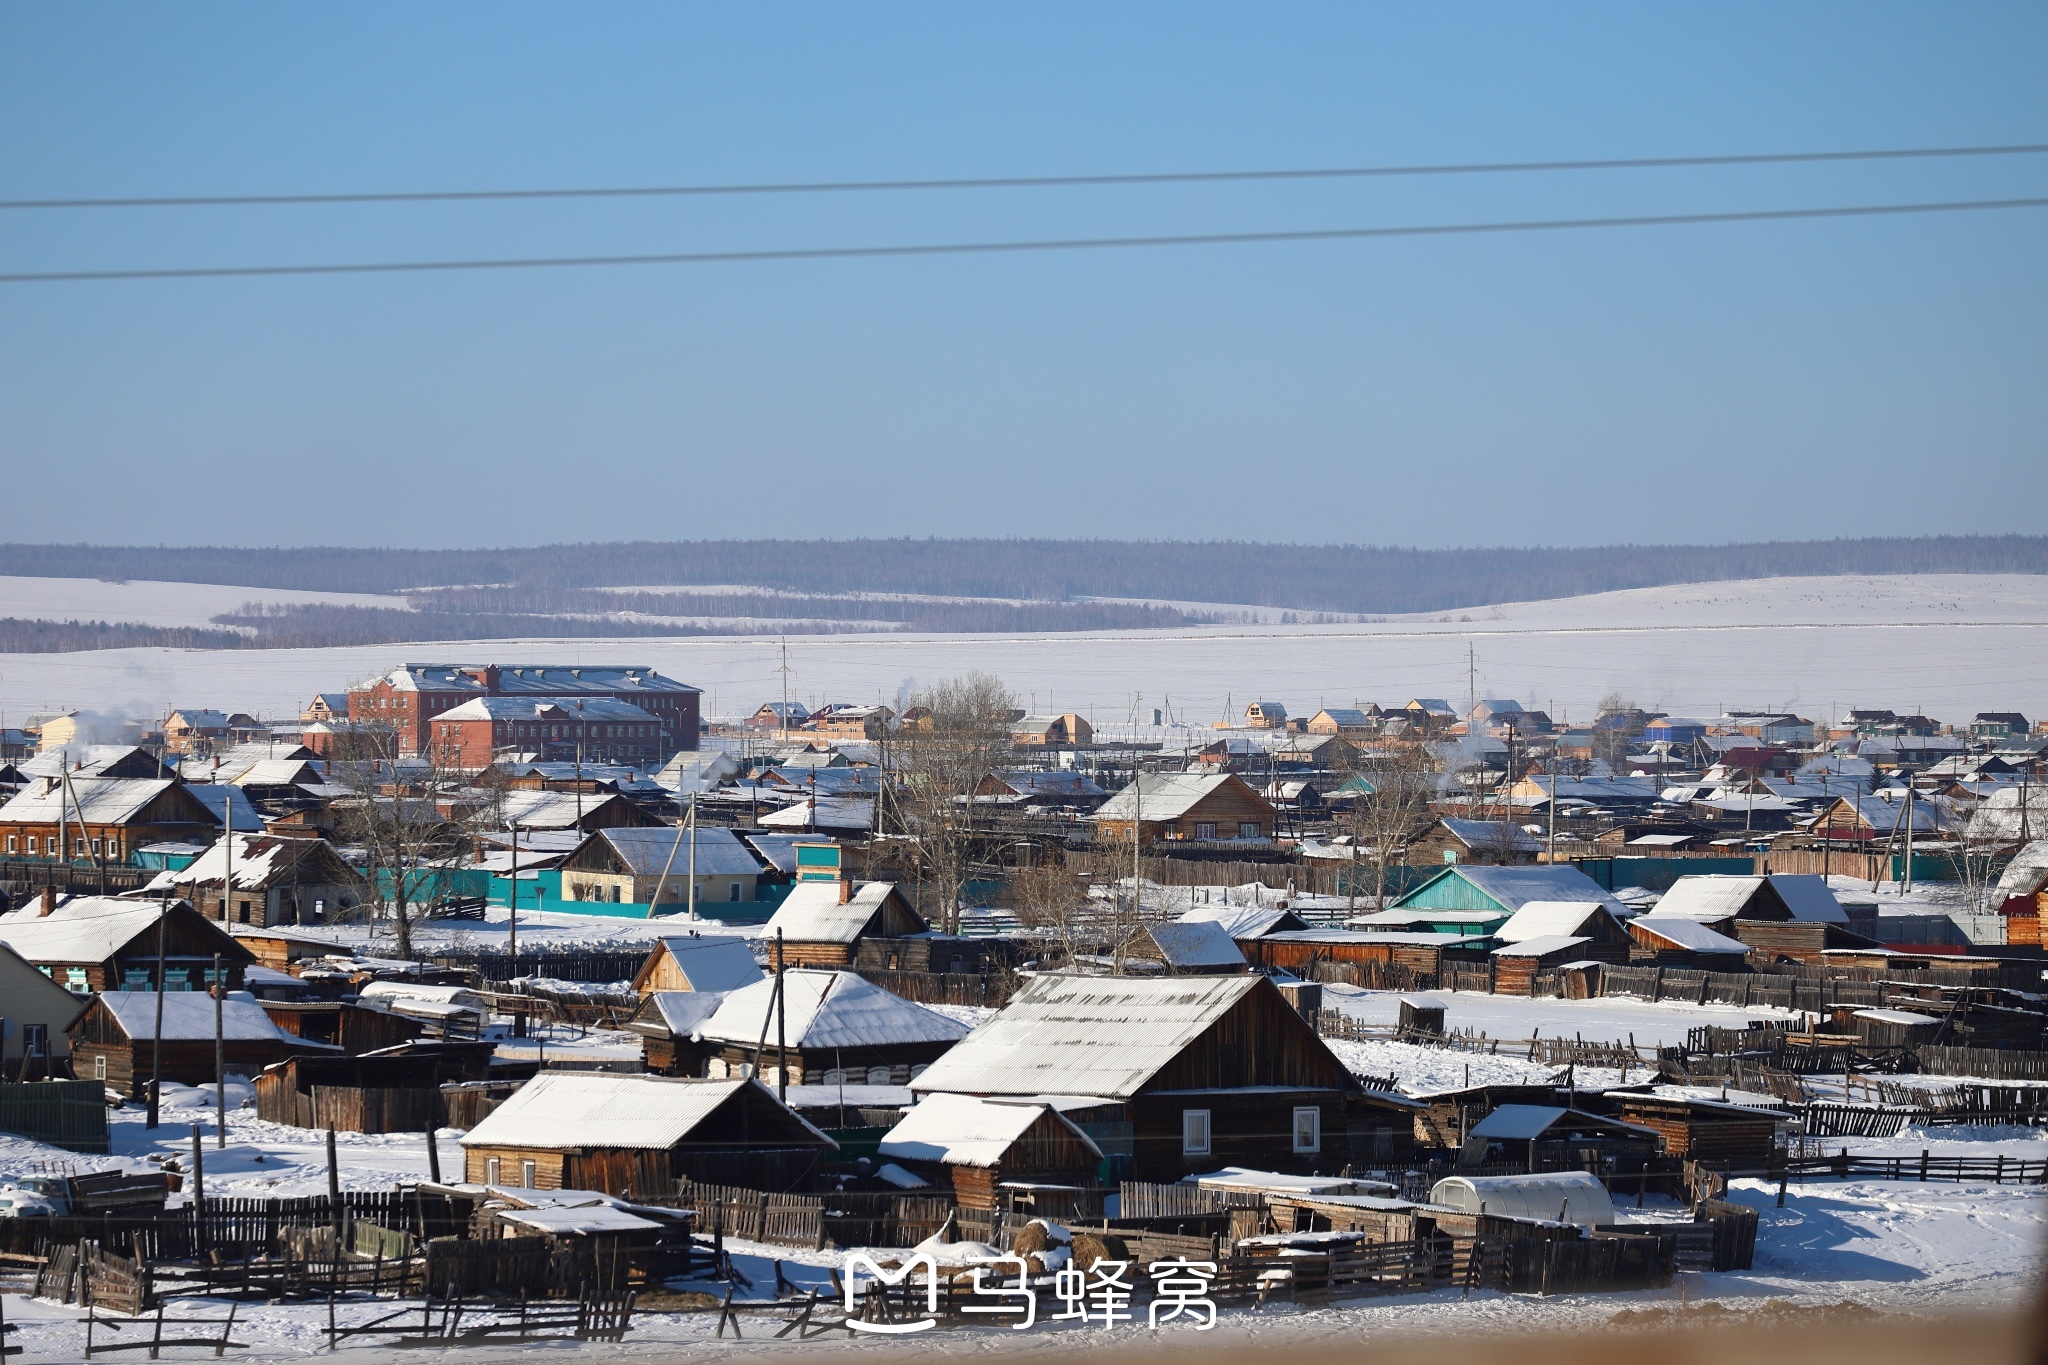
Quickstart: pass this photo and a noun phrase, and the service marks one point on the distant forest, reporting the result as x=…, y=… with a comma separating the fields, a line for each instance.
x=18, y=636
x=1334, y=578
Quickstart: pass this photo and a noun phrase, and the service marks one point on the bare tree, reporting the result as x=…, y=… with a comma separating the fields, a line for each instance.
x=1053, y=903
x=400, y=817
x=1393, y=784
x=960, y=735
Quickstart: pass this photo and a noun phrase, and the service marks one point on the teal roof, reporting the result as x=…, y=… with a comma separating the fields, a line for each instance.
x=1506, y=889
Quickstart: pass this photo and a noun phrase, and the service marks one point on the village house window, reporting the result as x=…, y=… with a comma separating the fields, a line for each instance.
x=31, y=845
x=1308, y=1129
x=1194, y=1132
x=75, y=982
x=491, y=1171
x=733, y=892
x=11, y=844
x=1247, y=829
x=526, y=1173
x=177, y=978
x=95, y=848
x=99, y=1067
x=1205, y=829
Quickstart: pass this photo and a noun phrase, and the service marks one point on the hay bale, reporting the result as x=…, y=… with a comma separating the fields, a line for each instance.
x=1031, y=1238
x=1090, y=1247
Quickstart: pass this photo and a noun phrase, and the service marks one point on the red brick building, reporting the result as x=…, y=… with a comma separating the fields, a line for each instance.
x=473, y=734
x=409, y=698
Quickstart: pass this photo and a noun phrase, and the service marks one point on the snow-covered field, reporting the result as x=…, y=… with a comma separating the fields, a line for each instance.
x=1948, y=645
x=149, y=603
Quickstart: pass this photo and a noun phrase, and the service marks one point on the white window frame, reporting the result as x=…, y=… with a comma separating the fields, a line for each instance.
x=1205, y=829
x=493, y=1168
x=99, y=1066
x=1310, y=1118
x=529, y=1172
x=1250, y=829
x=1197, y=1135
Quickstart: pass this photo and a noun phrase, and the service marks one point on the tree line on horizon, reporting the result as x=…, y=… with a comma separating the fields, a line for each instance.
x=1329, y=578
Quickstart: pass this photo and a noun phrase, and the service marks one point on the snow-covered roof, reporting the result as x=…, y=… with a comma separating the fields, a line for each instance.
x=827, y=812
x=777, y=850
x=1196, y=943
x=1707, y=898
x=1243, y=921
x=1807, y=895
x=544, y=810
x=645, y=852
x=967, y=1130
x=561, y=1109
x=811, y=913
x=257, y=858
x=1542, y=919
x=1897, y=1017
x=188, y=1015
x=1523, y=1122
x=1514, y=887
x=100, y=800
x=578, y=1220
x=826, y=1009
x=1541, y=945
x=1682, y=931
x=713, y=962
x=682, y=1011
x=82, y=929
x=221, y=797
x=1162, y=796
x=277, y=772
x=1491, y=834
x=1085, y=1035
x=2027, y=872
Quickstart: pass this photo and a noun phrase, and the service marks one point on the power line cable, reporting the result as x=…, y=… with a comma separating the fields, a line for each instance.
x=992, y=248
x=1025, y=181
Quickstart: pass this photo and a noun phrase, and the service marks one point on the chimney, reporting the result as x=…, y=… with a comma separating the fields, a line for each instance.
x=49, y=901
x=845, y=891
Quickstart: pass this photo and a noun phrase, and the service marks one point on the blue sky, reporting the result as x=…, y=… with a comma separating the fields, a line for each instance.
x=1713, y=383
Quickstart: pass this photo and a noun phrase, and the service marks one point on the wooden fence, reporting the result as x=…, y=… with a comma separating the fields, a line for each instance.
x=1734, y=1229
x=349, y=1109
x=2001, y=1170
x=570, y=964
x=67, y=1114
x=1143, y=1199
x=756, y=1215
x=1857, y=1120
x=1990, y=1063
x=945, y=988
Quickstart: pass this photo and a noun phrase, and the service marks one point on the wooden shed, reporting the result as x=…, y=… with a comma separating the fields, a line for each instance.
x=1186, y=948
x=833, y=1026
x=355, y=1094
x=697, y=962
x=1675, y=941
x=343, y=1024
x=115, y=1039
x=821, y=923
x=622, y=1134
x=1700, y=1127
x=1515, y=966
x=991, y=1151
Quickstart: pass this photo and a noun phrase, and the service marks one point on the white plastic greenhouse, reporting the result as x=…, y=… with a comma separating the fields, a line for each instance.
x=1554, y=1196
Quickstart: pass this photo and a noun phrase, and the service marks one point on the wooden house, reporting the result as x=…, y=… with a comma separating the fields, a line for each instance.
x=1796, y=940
x=1306, y=952
x=1719, y=901
x=2022, y=915
x=1890, y=1029
x=34, y=1045
x=277, y=881
x=1607, y=939
x=352, y=1027
x=666, y=1021
x=116, y=1041
x=1675, y=941
x=1199, y=1072
x=1265, y=715
x=822, y=923
x=102, y=820
x=633, y=865
x=1696, y=1125
x=697, y=962
x=1506, y=889
x=588, y=1130
x=1246, y=922
x=1066, y=731
x=832, y=1026
x=1349, y=722
x=1452, y=840
x=106, y=943
x=1185, y=808
x=996, y=1153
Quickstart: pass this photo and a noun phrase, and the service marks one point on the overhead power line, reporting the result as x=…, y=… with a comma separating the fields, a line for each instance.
x=1023, y=181
x=1039, y=244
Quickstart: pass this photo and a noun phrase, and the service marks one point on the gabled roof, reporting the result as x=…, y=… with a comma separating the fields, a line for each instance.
x=258, y=859
x=645, y=852
x=1710, y=898
x=1196, y=943
x=93, y=929
x=681, y=1011
x=811, y=913
x=1246, y=921
x=1510, y=888
x=99, y=801
x=1491, y=834
x=219, y=798
x=564, y=1109
x=1086, y=1035
x=712, y=962
x=1688, y=934
x=1166, y=796
x=827, y=812
x=826, y=1009
x=1807, y=895
x=188, y=1016
x=968, y=1130
x=1537, y=919
x=1522, y=1122
x=1542, y=945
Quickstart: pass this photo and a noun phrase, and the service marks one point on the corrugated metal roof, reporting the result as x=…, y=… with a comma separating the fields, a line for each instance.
x=560, y=1109
x=1684, y=932
x=1808, y=897
x=1241, y=921
x=1508, y=888
x=645, y=852
x=825, y=1009
x=1707, y=898
x=1085, y=1035
x=1543, y=945
x=1523, y=1122
x=1165, y=796
x=188, y=1015
x=83, y=929
x=967, y=1130
x=1196, y=943
x=683, y=1011
x=100, y=800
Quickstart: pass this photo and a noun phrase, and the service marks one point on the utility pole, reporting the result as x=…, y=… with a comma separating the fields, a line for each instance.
x=1906, y=882
x=512, y=901
x=156, y=1042
x=220, y=1057
x=781, y=1028
x=693, y=866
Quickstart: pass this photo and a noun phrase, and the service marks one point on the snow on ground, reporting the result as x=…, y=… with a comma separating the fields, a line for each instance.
x=1945, y=644
x=148, y=603
x=1432, y=1070
x=1606, y=1020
